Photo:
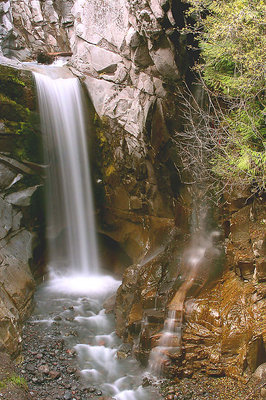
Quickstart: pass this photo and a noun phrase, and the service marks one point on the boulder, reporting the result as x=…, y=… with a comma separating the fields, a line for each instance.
x=21, y=198
x=6, y=176
x=164, y=60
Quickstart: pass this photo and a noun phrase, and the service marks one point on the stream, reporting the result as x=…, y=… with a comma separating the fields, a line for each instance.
x=71, y=349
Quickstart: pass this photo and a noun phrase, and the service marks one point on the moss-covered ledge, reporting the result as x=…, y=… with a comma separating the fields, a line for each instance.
x=19, y=120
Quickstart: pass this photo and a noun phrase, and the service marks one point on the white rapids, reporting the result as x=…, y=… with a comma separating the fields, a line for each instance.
x=96, y=344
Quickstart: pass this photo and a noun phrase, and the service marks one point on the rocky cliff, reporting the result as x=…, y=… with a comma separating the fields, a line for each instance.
x=133, y=61
x=222, y=328
x=20, y=203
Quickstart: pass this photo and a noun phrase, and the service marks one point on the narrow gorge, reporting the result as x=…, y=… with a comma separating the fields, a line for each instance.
x=131, y=266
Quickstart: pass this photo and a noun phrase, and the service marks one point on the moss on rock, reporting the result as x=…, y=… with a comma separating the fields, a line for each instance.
x=18, y=114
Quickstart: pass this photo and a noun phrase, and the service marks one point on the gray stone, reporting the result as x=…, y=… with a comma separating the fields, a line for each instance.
x=18, y=283
x=103, y=60
x=17, y=217
x=18, y=246
x=4, y=7
x=100, y=91
x=49, y=11
x=36, y=11
x=163, y=58
x=132, y=38
x=142, y=56
x=144, y=83
x=159, y=89
x=5, y=218
x=14, y=164
x=156, y=8
x=21, y=198
x=97, y=20
x=68, y=396
x=6, y=176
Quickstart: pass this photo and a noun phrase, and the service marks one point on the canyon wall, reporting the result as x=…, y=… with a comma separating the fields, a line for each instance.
x=21, y=211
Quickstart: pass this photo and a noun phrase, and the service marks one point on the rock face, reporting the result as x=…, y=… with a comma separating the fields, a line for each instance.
x=33, y=25
x=223, y=326
x=132, y=61
x=130, y=65
x=129, y=56
x=19, y=192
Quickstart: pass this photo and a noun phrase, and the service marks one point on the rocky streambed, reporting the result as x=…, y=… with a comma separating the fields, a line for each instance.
x=70, y=348
x=70, y=352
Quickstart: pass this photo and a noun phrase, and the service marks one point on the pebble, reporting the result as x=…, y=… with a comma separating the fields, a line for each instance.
x=171, y=390
x=68, y=396
x=54, y=374
x=30, y=368
x=44, y=369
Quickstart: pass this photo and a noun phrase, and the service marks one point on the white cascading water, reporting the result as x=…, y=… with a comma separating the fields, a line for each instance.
x=169, y=345
x=75, y=281
x=69, y=198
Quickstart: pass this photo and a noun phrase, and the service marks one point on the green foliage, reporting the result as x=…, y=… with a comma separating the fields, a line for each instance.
x=13, y=380
x=231, y=36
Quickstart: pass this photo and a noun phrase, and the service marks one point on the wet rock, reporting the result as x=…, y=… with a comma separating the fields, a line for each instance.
x=146, y=382
x=109, y=304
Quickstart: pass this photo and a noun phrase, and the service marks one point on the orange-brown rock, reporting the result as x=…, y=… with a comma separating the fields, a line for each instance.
x=223, y=325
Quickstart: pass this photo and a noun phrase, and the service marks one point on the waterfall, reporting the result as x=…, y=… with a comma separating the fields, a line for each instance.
x=70, y=216
x=198, y=261
x=78, y=296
